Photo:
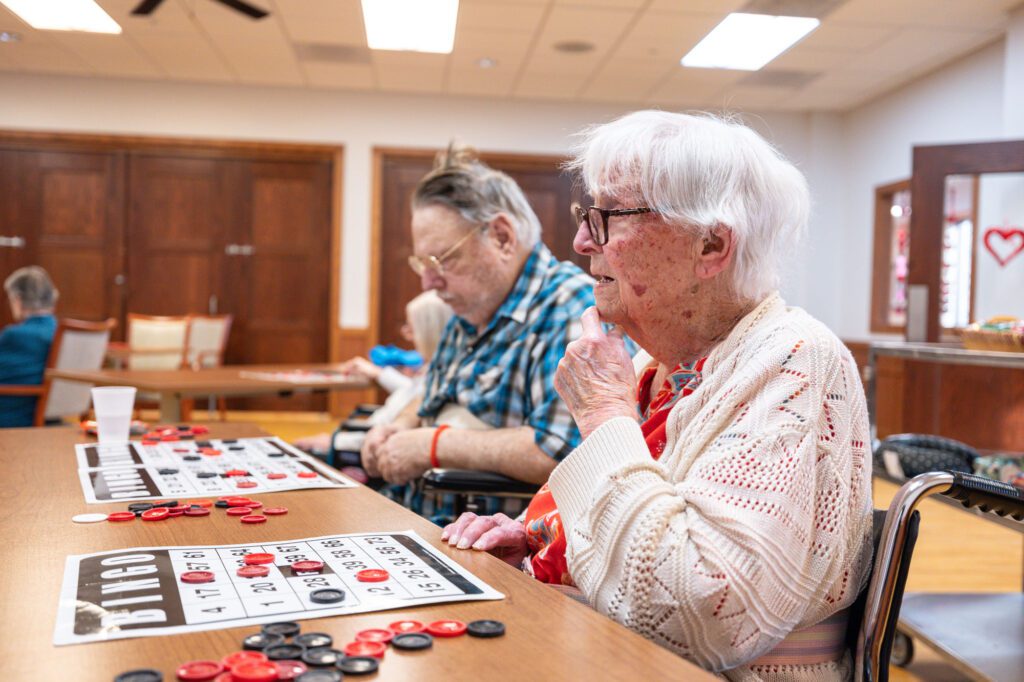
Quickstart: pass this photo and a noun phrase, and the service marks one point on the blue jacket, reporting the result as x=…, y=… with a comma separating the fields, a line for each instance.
x=24, y=347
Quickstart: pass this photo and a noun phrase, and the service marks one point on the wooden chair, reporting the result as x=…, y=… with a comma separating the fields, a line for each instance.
x=157, y=342
x=207, y=341
x=77, y=344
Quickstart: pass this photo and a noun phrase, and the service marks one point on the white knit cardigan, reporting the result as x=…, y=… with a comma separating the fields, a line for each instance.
x=756, y=520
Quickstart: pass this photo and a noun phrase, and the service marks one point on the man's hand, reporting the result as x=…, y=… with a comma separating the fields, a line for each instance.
x=405, y=455
x=498, y=534
x=595, y=377
x=370, y=452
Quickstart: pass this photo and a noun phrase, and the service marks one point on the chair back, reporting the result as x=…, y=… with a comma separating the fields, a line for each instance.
x=207, y=339
x=156, y=342
x=77, y=344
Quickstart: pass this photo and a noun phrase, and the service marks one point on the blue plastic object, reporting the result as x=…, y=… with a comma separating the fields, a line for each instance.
x=392, y=356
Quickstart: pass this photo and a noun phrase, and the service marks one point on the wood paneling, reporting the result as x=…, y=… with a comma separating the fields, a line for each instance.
x=67, y=206
x=547, y=188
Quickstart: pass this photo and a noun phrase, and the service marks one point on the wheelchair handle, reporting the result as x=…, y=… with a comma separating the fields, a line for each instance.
x=987, y=495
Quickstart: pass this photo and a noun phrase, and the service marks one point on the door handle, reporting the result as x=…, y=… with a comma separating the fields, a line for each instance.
x=233, y=250
x=247, y=249
x=13, y=242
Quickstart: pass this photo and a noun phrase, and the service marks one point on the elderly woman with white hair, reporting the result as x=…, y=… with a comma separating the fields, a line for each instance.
x=720, y=502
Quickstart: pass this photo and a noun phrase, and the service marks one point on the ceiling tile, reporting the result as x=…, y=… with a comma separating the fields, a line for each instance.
x=665, y=34
x=800, y=58
x=980, y=14
x=334, y=22
x=37, y=52
x=411, y=80
x=356, y=76
x=743, y=98
x=547, y=86
x=627, y=80
x=480, y=82
x=842, y=35
x=720, y=7
x=500, y=16
x=186, y=57
x=170, y=17
x=914, y=47
x=111, y=55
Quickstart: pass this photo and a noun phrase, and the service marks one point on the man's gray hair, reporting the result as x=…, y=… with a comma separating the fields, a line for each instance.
x=33, y=288
x=701, y=171
x=477, y=192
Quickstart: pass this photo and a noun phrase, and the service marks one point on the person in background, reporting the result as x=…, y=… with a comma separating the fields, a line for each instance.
x=25, y=345
x=425, y=319
x=476, y=242
x=720, y=502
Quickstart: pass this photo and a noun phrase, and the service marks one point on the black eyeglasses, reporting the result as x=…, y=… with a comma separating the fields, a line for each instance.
x=597, y=219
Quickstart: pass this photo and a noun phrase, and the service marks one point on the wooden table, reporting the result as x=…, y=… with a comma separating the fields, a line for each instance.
x=549, y=635
x=230, y=380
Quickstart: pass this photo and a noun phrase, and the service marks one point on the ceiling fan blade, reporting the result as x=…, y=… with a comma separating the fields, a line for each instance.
x=146, y=7
x=243, y=7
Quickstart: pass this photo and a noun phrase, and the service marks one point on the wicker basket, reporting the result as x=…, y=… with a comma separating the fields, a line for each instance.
x=976, y=338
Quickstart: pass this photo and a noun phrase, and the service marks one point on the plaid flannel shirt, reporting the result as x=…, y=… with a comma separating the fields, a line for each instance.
x=505, y=374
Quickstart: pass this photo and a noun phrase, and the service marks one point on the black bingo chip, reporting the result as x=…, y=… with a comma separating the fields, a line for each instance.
x=285, y=629
x=261, y=640
x=167, y=472
x=167, y=503
x=314, y=640
x=139, y=506
x=184, y=427
x=222, y=504
x=284, y=652
x=207, y=474
x=275, y=454
x=186, y=436
x=327, y=595
x=321, y=675
x=228, y=440
x=236, y=448
x=322, y=656
x=358, y=665
x=486, y=628
x=203, y=443
x=412, y=641
x=141, y=675
x=192, y=458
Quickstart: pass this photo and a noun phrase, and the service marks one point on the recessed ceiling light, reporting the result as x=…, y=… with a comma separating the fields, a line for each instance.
x=486, y=63
x=64, y=15
x=574, y=46
x=413, y=25
x=748, y=41
x=9, y=37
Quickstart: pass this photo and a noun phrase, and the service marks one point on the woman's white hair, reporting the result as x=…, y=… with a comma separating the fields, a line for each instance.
x=701, y=171
x=428, y=315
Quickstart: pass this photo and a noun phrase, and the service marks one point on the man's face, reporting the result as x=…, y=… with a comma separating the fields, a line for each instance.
x=472, y=281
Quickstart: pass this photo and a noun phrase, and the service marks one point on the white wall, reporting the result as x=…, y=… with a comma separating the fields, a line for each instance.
x=361, y=121
x=960, y=103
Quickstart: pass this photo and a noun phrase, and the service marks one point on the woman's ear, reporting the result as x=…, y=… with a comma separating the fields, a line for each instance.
x=716, y=252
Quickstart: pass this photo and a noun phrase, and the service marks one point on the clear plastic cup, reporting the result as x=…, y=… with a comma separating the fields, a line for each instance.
x=113, y=407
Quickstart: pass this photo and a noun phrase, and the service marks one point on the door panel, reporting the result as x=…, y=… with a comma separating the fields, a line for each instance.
x=547, y=188
x=66, y=205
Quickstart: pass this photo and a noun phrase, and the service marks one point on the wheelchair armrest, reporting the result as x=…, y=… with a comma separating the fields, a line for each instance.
x=478, y=482
x=363, y=410
x=362, y=425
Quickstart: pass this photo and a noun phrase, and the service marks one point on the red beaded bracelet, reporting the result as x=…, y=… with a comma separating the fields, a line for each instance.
x=433, y=446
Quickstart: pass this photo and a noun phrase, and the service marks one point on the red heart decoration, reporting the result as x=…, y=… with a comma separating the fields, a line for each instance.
x=1006, y=235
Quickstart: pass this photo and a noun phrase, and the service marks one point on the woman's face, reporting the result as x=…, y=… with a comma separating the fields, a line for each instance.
x=645, y=273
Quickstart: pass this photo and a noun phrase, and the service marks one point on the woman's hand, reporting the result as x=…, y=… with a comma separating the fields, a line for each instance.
x=360, y=367
x=501, y=536
x=321, y=442
x=595, y=377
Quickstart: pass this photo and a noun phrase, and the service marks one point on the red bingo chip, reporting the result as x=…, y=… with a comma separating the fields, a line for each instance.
x=121, y=516
x=203, y=503
x=259, y=559
x=307, y=474
x=254, y=671
x=374, y=649
x=275, y=511
x=238, y=501
x=400, y=627
x=240, y=657
x=447, y=628
x=236, y=472
x=308, y=566
x=372, y=575
x=197, y=577
x=246, y=484
x=254, y=518
x=180, y=508
x=199, y=670
x=200, y=430
x=254, y=504
x=156, y=514
x=201, y=511
x=253, y=572
x=277, y=475
x=174, y=514
x=375, y=635
x=239, y=511
x=290, y=670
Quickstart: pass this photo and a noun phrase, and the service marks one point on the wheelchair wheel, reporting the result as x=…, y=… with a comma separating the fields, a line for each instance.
x=902, y=650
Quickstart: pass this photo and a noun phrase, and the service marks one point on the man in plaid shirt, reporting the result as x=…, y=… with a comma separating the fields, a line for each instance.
x=476, y=241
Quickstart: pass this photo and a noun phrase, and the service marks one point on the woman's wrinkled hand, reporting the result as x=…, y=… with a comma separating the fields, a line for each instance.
x=595, y=377
x=498, y=534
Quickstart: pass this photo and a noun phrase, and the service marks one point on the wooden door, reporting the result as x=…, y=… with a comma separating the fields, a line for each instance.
x=281, y=294
x=62, y=210
x=547, y=188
